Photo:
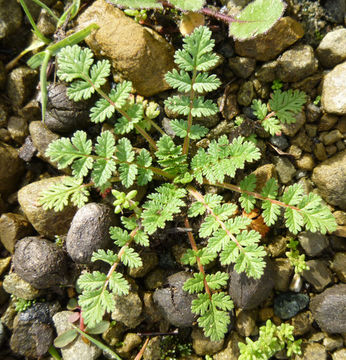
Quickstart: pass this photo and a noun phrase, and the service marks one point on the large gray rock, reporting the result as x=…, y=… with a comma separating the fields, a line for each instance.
x=33, y=331
x=137, y=53
x=40, y=262
x=296, y=64
x=11, y=168
x=333, y=98
x=247, y=293
x=332, y=49
x=47, y=222
x=329, y=309
x=175, y=303
x=330, y=178
x=77, y=349
x=89, y=232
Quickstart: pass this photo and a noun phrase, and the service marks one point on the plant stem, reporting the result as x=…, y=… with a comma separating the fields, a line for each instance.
x=43, y=82
x=123, y=113
x=225, y=18
x=254, y=194
x=189, y=119
x=99, y=344
x=157, y=127
x=199, y=197
x=32, y=22
x=200, y=266
x=141, y=351
x=120, y=254
x=44, y=6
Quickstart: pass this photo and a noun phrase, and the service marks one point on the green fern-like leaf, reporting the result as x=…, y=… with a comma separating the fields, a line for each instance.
x=130, y=258
x=94, y=300
x=161, y=207
x=170, y=156
x=59, y=195
x=107, y=256
x=73, y=61
x=223, y=159
x=247, y=201
x=287, y=104
x=259, y=109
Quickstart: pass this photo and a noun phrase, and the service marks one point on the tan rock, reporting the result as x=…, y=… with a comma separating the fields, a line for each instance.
x=333, y=98
x=263, y=174
x=268, y=46
x=330, y=178
x=46, y=222
x=137, y=53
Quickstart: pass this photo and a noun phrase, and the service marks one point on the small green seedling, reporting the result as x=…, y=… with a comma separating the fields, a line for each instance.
x=297, y=260
x=271, y=339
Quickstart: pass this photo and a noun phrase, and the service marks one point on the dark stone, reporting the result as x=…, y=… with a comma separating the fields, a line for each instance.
x=329, y=309
x=65, y=115
x=279, y=141
x=89, y=232
x=33, y=331
x=288, y=304
x=335, y=10
x=40, y=262
x=174, y=302
x=247, y=293
x=248, y=111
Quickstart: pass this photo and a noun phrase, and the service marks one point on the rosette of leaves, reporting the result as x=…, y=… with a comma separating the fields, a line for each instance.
x=271, y=339
x=223, y=228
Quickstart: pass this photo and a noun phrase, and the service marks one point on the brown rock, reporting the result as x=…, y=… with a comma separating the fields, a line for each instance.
x=13, y=227
x=263, y=174
x=306, y=162
x=297, y=63
x=138, y=53
x=320, y=152
x=268, y=46
x=333, y=98
x=47, y=222
x=330, y=178
x=11, y=167
x=327, y=122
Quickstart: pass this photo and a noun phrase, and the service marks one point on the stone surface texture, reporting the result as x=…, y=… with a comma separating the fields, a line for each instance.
x=332, y=49
x=46, y=222
x=330, y=178
x=268, y=46
x=329, y=309
x=333, y=98
x=136, y=52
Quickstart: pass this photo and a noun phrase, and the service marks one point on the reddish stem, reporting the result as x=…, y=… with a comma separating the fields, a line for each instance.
x=200, y=266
